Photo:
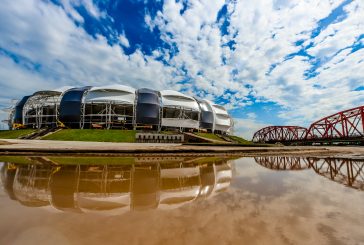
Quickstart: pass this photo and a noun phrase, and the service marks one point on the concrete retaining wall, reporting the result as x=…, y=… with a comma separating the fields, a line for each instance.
x=158, y=138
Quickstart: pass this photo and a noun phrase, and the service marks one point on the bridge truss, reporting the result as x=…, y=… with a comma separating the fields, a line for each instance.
x=342, y=126
x=274, y=134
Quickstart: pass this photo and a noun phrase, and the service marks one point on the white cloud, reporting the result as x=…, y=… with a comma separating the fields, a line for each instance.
x=251, y=115
x=246, y=127
x=91, y=8
x=264, y=32
x=64, y=54
x=124, y=41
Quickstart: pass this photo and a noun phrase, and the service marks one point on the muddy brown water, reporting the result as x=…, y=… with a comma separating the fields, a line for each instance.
x=182, y=200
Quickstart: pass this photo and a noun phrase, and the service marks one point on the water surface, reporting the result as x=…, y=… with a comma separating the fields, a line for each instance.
x=181, y=200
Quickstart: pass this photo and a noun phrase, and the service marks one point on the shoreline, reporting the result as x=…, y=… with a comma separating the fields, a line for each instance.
x=82, y=148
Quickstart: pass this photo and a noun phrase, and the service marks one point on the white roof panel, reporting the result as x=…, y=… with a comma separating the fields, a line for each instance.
x=116, y=93
x=222, y=119
x=56, y=91
x=171, y=98
x=114, y=87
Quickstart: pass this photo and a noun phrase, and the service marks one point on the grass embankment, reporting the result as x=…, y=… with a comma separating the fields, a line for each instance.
x=93, y=160
x=14, y=134
x=97, y=135
x=240, y=140
x=16, y=159
x=210, y=136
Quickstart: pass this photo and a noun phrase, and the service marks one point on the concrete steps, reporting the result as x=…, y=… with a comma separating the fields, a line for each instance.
x=40, y=133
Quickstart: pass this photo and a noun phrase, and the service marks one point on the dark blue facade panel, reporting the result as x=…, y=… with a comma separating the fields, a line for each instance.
x=147, y=114
x=70, y=107
x=18, y=116
x=147, y=98
x=147, y=107
x=63, y=187
x=206, y=120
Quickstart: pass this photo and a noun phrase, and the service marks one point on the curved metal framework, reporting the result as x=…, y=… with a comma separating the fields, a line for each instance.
x=111, y=106
x=274, y=134
x=283, y=163
x=119, y=106
x=179, y=111
x=41, y=109
x=348, y=172
x=344, y=124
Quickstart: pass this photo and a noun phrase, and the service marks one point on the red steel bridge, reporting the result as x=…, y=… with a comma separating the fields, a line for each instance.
x=344, y=126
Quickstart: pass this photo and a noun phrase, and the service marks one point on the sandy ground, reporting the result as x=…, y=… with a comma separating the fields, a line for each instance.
x=16, y=146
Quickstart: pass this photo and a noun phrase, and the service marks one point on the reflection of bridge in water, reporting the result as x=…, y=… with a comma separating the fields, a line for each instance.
x=349, y=172
x=115, y=189
x=283, y=163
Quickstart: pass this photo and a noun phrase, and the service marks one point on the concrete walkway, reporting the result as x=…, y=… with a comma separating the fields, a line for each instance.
x=16, y=146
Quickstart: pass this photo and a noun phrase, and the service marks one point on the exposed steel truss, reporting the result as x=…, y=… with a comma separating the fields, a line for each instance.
x=280, y=134
x=282, y=163
x=348, y=124
x=348, y=172
x=344, y=124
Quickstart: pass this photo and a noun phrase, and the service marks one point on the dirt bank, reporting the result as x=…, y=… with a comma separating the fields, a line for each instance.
x=2, y=142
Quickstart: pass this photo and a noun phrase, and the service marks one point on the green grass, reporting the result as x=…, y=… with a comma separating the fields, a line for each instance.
x=240, y=140
x=13, y=134
x=169, y=132
x=210, y=136
x=16, y=159
x=93, y=160
x=207, y=160
x=98, y=135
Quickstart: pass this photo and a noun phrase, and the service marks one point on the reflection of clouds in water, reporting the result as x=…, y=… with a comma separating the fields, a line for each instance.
x=40, y=234
x=254, y=178
x=308, y=209
x=305, y=203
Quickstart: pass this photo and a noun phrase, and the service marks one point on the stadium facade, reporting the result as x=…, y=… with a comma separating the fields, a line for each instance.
x=119, y=106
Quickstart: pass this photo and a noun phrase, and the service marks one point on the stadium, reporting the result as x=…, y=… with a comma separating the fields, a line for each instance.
x=119, y=107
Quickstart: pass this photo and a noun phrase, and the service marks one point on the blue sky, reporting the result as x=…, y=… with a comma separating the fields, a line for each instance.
x=270, y=62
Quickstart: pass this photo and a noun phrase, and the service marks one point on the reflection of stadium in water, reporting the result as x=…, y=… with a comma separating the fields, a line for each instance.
x=113, y=189
x=349, y=172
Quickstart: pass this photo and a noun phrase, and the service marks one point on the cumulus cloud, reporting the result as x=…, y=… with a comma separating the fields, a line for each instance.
x=234, y=52
x=247, y=127
x=264, y=59
x=58, y=52
x=124, y=41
